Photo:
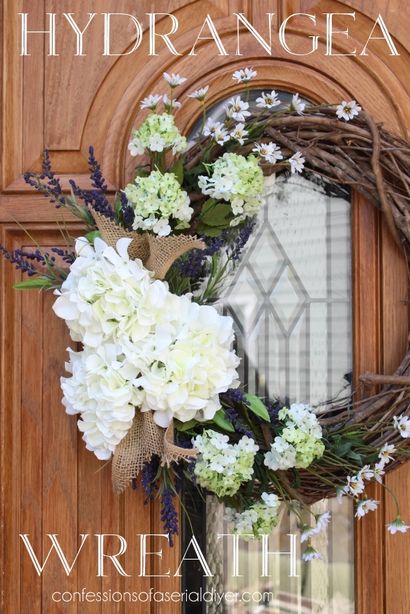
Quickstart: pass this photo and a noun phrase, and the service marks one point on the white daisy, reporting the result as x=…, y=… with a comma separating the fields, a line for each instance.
x=268, y=101
x=366, y=473
x=239, y=133
x=379, y=471
x=171, y=104
x=322, y=520
x=269, y=152
x=355, y=485
x=237, y=109
x=397, y=526
x=199, y=94
x=297, y=104
x=365, y=506
x=348, y=110
x=386, y=452
x=402, y=423
x=297, y=163
x=310, y=554
x=174, y=79
x=151, y=102
x=245, y=75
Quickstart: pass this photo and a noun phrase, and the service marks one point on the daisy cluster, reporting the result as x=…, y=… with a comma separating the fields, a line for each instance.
x=144, y=347
x=259, y=519
x=300, y=441
x=356, y=484
x=222, y=467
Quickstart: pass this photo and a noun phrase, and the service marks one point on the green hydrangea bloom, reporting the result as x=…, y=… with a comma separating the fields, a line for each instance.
x=237, y=180
x=259, y=519
x=155, y=200
x=222, y=467
x=157, y=133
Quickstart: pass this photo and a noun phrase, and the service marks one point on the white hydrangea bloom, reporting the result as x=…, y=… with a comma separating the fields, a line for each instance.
x=174, y=356
x=99, y=390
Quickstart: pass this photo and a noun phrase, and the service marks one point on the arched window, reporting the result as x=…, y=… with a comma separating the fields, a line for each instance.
x=291, y=300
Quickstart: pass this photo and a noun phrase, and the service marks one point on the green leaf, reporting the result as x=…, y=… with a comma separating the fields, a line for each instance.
x=178, y=170
x=257, y=407
x=214, y=213
x=221, y=421
x=209, y=231
x=91, y=236
x=182, y=226
x=37, y=282
x=185, y=426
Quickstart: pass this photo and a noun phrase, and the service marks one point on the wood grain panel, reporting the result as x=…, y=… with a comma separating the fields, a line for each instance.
x=49, y=482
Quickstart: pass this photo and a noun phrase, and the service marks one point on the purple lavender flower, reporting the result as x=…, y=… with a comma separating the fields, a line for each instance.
x=128, y=213
x=66, y=255
x=95, y=199
x=47, y=183
x=148, y=476
x=97, y=178
x=20, y=260
x=234, y=418
x=169, y=514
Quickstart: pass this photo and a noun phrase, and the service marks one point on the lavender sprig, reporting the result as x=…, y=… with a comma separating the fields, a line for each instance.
x=48, y=184
x=148, y=478
x=97, y=178
x=94, y=199
x=169, y=515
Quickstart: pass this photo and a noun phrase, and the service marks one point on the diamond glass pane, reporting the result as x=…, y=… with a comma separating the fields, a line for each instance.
x=291, y=303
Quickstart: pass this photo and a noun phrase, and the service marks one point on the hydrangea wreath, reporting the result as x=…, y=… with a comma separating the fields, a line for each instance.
x=154, y=356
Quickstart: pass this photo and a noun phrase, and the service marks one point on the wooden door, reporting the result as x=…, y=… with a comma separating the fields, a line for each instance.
x=50, y=484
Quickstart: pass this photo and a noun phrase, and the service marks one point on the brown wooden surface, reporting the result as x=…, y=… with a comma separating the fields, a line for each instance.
x=49, y=482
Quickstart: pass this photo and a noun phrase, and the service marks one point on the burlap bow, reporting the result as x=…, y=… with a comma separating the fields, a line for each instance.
x=145, y=438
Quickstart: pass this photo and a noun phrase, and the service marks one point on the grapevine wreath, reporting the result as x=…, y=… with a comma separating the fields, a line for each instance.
x=152, y=372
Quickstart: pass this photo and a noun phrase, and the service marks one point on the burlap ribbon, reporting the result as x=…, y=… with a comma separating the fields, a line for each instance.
x=145, y=438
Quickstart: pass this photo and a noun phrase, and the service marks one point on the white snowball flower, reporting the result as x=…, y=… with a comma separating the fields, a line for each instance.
x=151, y=102
x=270, y=499
x=269, y=152
x=297, y=163
x=281, y=456
x=244, y=75
x=199, y=94
x=297, y=104
x=237, y=109
x=397, y=526
x=402, y=424
x=348, y=110
x=173, y=79
x=365, y=506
